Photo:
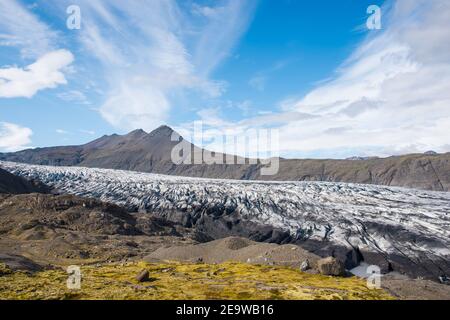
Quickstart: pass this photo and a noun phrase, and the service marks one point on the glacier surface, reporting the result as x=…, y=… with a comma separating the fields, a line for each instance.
x=410, y=223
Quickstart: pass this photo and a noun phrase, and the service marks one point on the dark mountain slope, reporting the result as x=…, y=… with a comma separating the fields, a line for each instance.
x=139, y=151
x=12, y=184
x=134, y=151
x=411, y=171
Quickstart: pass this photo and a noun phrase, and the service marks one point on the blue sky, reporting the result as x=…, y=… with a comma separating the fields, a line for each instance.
x=310, y=69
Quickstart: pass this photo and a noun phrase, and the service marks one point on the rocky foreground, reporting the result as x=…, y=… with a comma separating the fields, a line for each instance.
x=397, y=229
x=42, y=234
x=65, y=229
x=267, y=272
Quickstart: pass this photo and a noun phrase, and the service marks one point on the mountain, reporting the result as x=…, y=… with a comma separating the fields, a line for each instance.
x=151, y=152
x=12, y=184
x=362, y=158
x=128, y=152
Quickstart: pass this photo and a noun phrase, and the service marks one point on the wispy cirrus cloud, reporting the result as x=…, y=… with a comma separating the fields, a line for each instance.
x=386, y=95
x=22, y=29
x=61, y=131
x=74, y=96
x=147, y=52
x=260, y=80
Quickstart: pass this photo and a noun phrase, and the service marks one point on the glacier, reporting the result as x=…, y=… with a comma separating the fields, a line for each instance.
x=412, y=225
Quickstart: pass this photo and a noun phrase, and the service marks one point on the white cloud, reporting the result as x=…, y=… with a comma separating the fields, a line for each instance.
x=135, y=105
x=14, y=137
x=45, y=73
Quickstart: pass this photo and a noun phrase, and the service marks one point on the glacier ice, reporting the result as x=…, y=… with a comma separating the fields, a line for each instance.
x=382, y=219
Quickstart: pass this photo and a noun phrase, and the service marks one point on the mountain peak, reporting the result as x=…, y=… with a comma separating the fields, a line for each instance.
x=137, y=132
x=164, y=128
x=162, y=131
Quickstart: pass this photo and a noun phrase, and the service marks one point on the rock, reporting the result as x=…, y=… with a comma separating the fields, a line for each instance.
x=143, y=276
x=19, y=263
x=131, y=244
x=331, y=267
x=199, y=260
x=305, y=265
x=444, y=280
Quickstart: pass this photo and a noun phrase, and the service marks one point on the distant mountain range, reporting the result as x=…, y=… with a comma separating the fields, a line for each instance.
x=151, y=152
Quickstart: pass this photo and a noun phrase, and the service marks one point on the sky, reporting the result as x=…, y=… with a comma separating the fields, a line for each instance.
x=310, y=70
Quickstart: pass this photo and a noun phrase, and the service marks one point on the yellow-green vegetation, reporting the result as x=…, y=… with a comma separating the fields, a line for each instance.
x=4, y=270
x=176, y=281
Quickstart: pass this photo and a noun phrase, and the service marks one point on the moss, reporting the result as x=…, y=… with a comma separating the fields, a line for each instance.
x=176, y=281
x=4, y=270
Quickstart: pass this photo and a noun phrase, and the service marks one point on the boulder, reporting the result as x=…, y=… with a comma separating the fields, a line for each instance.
x=143, y=276
x=305, y=266
x=444, y=279
x=331, y=267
